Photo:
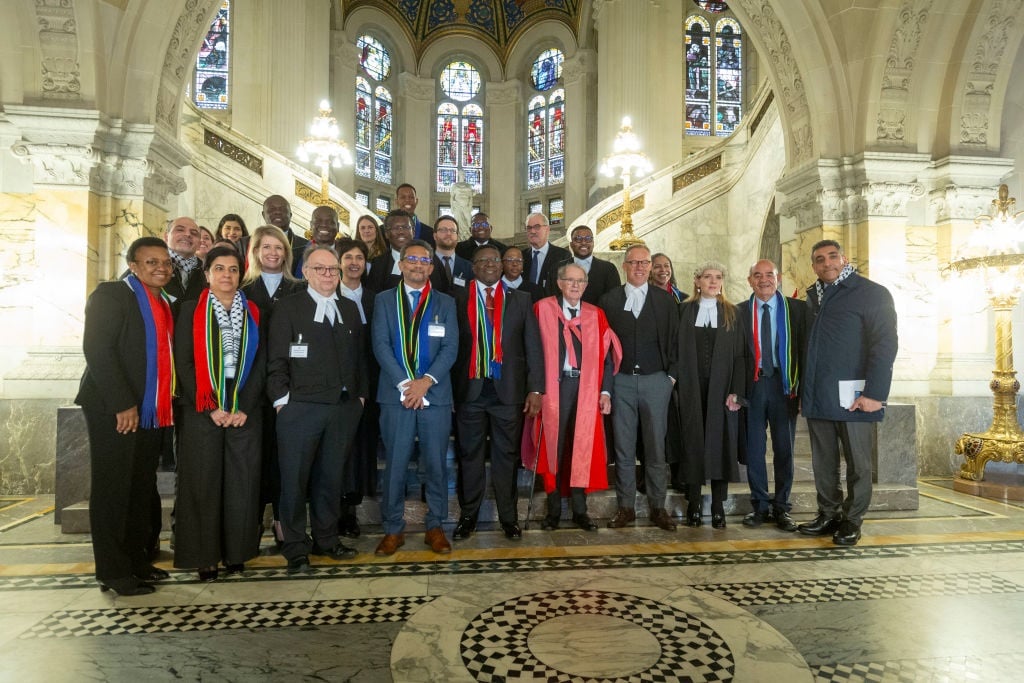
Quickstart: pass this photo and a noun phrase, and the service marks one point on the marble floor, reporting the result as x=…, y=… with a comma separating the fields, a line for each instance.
x=936, y=594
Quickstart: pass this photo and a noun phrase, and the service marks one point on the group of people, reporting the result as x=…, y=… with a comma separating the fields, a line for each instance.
x=282, y=363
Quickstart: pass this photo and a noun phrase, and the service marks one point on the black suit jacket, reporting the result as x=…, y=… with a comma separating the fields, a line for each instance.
x=666, y=319
x=114, y=342
x=251, y=395
x=799, y=323
x=182, y=293
x=466, y=248
x=256, y=292
x=381, y=278
x=548, y=281
x=603, y=278
x=522, y=368
x=335, y=353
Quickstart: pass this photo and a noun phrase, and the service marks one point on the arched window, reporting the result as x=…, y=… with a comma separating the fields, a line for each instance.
x=212, y=65
x=714, y=72
x=460, y=127
x=374, y=112
x=545, y=123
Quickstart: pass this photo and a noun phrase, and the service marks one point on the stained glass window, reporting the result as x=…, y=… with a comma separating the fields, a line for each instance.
x=211, y=86
x=536, y=149
x=383, y=205
x=536, y=207
x=556, y=138
x=714, y=77
x=713, y=6
x=374, y=113
x=547, y=69
x=362, y=197
x=556, y=211
x=460, y=128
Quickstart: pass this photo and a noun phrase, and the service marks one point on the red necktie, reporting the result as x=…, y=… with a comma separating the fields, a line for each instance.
x=489, y=302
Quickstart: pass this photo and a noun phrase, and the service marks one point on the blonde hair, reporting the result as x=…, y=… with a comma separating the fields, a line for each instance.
x=728, y=309
x=258, y=235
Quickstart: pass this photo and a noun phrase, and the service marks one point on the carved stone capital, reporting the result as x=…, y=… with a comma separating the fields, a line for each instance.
x=416, y=88
x=57, y=164
x=344, y=52
x=166, y=159
x=963, y=187
x=505, y=92
x=581, y=64
x=890, y=199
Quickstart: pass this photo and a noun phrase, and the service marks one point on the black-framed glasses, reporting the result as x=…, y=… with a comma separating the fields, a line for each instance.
x=638, y=264
x=400, y=226
x=425, y=260
x=573, y=281
x=583, y=238
x=487, y=259
x=329, y=271
x=512, y=260
x=156, y=263
x=481, y=226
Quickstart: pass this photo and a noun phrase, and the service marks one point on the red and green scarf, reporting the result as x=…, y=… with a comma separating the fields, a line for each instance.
x=486, y=356
x=212, y=389
x=784, y=332
x=411, y=345
x=155, y=409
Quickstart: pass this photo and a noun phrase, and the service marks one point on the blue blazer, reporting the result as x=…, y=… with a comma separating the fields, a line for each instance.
x=441, y=354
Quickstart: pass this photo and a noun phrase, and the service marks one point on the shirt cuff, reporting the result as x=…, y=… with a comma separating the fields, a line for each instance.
x=283, y=401
x=432, y=378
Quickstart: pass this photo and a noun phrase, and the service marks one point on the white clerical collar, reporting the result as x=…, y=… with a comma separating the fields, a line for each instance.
x=630, y=288
x=325, y=306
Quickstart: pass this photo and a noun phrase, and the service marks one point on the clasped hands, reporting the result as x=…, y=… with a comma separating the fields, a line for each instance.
x=223, y=418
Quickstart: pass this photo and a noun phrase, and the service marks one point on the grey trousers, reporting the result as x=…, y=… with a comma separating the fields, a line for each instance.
x=640, y=402
x=854, y=440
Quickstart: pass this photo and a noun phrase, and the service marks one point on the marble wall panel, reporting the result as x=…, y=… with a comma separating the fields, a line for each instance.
x=28, y=429
x=72, y=483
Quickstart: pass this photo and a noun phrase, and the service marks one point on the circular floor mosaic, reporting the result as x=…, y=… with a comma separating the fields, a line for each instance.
x=569, y=635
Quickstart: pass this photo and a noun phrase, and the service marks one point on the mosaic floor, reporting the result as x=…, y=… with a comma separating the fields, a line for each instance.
x=931, y=595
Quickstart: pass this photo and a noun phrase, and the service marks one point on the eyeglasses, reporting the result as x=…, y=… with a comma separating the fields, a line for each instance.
x=156, y=263
x=572, y=281
x=487, y=259
x=512, y=260
x=535, y=226
x=481, y=226
x=446, y=231
x=400, y=227
x=328, y=271
x=638, y=264
x=583, y=238
x=425, y=260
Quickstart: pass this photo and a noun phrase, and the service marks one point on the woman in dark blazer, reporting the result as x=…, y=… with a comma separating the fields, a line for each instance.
x=710, y=380
x=268, y=280
x=125, y=396
x=221, y=365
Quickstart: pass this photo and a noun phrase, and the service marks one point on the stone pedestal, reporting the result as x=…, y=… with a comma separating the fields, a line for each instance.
x=1003, y=481
x=73, y=470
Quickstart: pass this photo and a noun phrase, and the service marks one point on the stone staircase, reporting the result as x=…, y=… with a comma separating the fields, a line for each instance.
x=895, y=487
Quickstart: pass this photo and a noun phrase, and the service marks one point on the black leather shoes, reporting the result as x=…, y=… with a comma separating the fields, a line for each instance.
x=298, y=565
x=848, y=533
x=340, y=551
x=512, y=531
x=822, y=525
x=230, y=569
x=584, y=522
x=623, y=517
x=151, y=574
x=755, y=519
x=549, y=523
x=208, y=575
x=126, y=587
x=464, y=529
x=784, y=522
x=348, y=526
x=693, y=518
x=717, y=520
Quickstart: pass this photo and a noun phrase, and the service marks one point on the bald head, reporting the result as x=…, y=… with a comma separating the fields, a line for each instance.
x=183, y=236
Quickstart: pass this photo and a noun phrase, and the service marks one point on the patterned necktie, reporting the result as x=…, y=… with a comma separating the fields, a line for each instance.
x=767, y=352
x=489, y=302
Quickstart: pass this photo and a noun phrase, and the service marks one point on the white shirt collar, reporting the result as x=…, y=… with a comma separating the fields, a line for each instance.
x=514, y=284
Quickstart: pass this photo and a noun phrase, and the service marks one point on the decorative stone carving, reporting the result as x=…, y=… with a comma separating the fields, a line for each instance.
x=890, y=198
x=344, y=52
x=193, y=21
x=58, y=43
x=974, y=127
x=780, y=52
x=579, y=65
x=988, y=52
x=504, y=92
x=57, y=164
x=803, y=143
x=891, y=125
x=899, y=67
x=416, y=88
x=958, y=202
x=166, y=158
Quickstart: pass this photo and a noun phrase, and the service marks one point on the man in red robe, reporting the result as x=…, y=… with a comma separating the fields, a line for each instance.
x=566, y=440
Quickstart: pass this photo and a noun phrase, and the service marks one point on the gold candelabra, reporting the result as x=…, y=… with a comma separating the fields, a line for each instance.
x=995, y=251
x=628, y=160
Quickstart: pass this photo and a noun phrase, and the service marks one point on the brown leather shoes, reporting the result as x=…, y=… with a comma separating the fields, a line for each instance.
x=435, y=538
x=660, y=519
x=390, y=544
x=622, y=517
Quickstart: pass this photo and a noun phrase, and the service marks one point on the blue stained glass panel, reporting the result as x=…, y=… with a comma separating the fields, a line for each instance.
x=374, y=59
x=213, y=62
x=547, y=69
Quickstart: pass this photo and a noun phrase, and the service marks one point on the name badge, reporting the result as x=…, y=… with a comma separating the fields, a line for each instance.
x=459, y=281
x=435, y=330
x=298, y=349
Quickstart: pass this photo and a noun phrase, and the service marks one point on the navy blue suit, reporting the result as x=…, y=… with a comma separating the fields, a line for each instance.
x=400, y=426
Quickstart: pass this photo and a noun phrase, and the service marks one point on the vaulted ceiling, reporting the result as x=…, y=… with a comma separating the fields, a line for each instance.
x=496, y=22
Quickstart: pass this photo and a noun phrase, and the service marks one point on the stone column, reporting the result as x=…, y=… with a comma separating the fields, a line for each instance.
x=414, y=157
x=344, y=65
x=504, y=154
x=581, y=163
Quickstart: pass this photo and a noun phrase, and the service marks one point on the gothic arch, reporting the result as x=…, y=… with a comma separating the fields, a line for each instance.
x=437, y=55
x=539, y=36
x=370, y=20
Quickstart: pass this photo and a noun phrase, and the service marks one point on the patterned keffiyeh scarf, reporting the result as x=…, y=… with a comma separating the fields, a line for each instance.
x=222, y=339
x=185, y=265
x=819, y=286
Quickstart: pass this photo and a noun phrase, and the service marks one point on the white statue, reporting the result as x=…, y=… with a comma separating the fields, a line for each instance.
x=462, y=205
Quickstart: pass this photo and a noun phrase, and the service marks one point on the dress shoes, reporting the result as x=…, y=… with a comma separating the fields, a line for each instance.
x=512, y=531
x=848, y=533
x=693, y=517
x=126, y=587
x=660, y=519
x=622, y=517
x=784, y=522
x=389, y=545
x=464, y=529
x=437, y=541
x=822, y=525
x=208, y=575
x=584, y=522
x=340, y=551
x=717, y=520
x=299, y=565
x=150, y=574
x=348, y=526
x=549, y=523
x=230, y=569
x=755, y=519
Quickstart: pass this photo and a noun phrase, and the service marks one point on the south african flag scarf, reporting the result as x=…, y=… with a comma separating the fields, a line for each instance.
x=212, y=389
x=410, y=346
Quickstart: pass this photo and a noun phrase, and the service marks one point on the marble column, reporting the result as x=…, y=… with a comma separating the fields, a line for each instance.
x=344, y=65
x=504, y=107
x=580, y=72
x=415, y=101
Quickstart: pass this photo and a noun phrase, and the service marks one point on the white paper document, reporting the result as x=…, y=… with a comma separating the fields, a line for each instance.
x=849, y=390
